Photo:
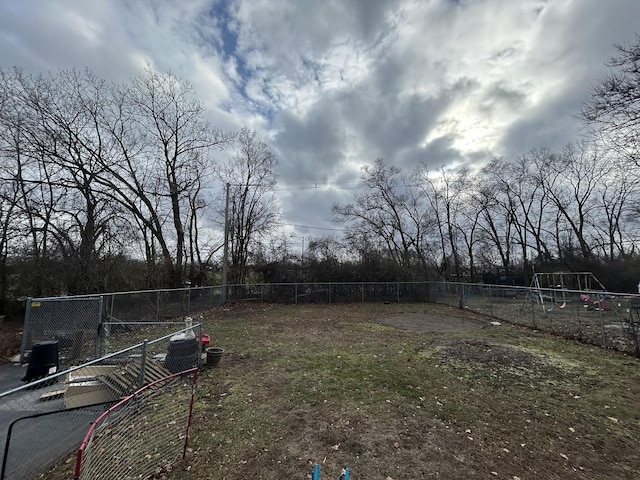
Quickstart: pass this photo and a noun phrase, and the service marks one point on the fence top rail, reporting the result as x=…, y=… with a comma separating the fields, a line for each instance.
x=129, y=292
x=94, y=296
x=123, y=322
x=285, y=284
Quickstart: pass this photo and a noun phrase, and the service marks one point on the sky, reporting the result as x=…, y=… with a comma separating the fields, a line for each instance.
x=333, y=85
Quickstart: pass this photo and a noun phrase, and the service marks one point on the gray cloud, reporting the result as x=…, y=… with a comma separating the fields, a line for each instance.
x=310, y=148
x=337, y=84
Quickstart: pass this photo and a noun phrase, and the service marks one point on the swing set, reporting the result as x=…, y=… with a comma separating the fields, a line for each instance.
x=550, y=289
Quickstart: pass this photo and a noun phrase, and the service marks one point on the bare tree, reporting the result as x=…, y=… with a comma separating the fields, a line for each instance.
x=10, y=197
x=93, y=159
x=25, y=167
x=389, y=213
x=612, y=111
x=254, y=210
x=573, y=177
x=176, y=143
x=445, y=195
x=161, y=149
x=618, y=218
x=61, y=148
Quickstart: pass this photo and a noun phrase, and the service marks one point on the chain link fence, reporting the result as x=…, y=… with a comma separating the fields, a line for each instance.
x=72, y=321
x=159, y=305
x=42, y=421
x=608, y=319
x=38, y=416
x=143, y=435
x=573, y=313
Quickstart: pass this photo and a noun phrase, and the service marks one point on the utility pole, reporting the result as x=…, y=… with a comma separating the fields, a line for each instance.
x=225, y=254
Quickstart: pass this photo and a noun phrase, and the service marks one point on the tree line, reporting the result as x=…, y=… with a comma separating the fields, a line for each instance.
x=570, y=210
x=109, y=186
x=120, y=186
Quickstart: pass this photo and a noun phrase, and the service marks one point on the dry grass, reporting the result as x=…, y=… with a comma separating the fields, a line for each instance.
x=333, y=385
x=444, y=396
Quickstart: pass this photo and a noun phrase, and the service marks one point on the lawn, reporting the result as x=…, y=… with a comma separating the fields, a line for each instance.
x=405, y=391
x=397, y=391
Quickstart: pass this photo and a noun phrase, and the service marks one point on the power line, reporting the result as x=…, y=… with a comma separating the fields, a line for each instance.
x=305, y=186
x=310, y=227
x=321, y=183
x=318, y=187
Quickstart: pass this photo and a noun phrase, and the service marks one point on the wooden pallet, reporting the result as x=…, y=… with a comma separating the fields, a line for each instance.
x=125, y=380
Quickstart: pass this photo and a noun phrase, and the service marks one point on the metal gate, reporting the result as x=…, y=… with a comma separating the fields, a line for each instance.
x=74, y=322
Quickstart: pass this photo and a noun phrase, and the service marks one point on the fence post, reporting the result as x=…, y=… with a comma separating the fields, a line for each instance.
x=490, y=302
x=397, y=292
x=189, y=300
x=295, y=293
x=143, y=363
x=23, y=347
x=193, y=394
x=201, y=337
x=97, y=345
x=604, y=333
x=362, y=291
x=113, y=301
x=157, y=305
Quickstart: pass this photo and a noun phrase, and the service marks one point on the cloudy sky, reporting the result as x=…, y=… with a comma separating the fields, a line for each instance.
x=335, y=84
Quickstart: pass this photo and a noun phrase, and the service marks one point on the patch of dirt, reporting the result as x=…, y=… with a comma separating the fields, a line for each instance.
x=503, y=365
x=430, y=322
x=479, y=352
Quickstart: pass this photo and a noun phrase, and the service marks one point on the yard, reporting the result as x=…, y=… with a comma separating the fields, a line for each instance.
x=406, y=391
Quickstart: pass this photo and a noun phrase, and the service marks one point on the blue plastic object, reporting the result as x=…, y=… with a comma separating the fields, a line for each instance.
x=315, y=475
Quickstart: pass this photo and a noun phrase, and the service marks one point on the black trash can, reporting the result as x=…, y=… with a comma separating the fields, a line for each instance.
x=43, y=360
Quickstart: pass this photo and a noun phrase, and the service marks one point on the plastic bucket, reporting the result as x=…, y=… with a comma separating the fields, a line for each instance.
x=214, y=355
